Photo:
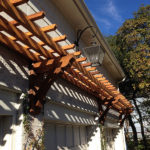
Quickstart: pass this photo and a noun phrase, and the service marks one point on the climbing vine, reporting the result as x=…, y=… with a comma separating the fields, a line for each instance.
x=34, y=139
x=103, y=139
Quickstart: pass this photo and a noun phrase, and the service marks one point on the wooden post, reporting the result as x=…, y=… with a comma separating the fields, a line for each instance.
x=103, y=115
x=42, y=75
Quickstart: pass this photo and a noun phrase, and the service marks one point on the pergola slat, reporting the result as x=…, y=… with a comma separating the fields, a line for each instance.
x=76, y=53
x=10, y=43
x=86, y=64
x=10, y=28
x=92, y=79
x=33, y=17
x=98, y=76
x=67, y=47
x=18, y=15
x=18, y=2
x=81, y=59
x=91, y=68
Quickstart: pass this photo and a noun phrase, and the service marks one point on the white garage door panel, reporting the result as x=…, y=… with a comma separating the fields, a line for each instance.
x=5, y=132
x=83, y=135
x=60, y=137
x=69, y=137
x=50, y=137
x=76, y=136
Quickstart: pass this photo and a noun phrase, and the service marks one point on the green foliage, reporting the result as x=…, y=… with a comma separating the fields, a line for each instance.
x=103, y=139
x=35, y=141
x=140, y=146
x=131, y=46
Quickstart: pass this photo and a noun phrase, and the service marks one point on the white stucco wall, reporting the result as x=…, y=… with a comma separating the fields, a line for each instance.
x=11, y=120
x=66, y=104
x=95, y=142
x=120, y=143
x=13, y=81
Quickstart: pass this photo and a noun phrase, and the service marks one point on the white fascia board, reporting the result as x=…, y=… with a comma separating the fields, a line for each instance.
x=90, y=21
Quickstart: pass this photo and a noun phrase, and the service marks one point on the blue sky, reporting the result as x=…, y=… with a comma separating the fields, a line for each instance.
x=110, y=14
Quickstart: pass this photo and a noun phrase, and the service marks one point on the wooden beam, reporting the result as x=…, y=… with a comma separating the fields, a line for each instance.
x=86, y=64
x=76, y=53
x=15, y=13
x=98, y=75
x=127, y=105
x=81, y=59
x=15, y=46
x=57, y=39
x=44, y=29
x=67, y=47
x=37, y=100
x=103, y=115
x=84, y=79
x=11, y=29
x=100, y=108
x=104, y=81
x=101, y=79
x=60, y=38
x=33, y=28
x=91, y=68
x=77, y=74
x=18, y=2
x=94, y=72
x=76, y=82
x=121, y=105
x=111, y=88
x=18, y=15
x=123, y=119
x=47, y=65
x=33, y=17
x=79, y=82
x=42, y=64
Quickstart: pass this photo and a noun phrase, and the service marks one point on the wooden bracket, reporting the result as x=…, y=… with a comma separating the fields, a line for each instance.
x=104, y=113
x=120, y=116
x=42, y=75
x=123, y=119
x=126, y=112
x=100, y=108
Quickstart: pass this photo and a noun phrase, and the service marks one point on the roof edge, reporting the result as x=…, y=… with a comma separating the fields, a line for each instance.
x=91, y=21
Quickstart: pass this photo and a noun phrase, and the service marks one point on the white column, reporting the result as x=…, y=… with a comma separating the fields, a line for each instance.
x=120, y=143
x=94, y=138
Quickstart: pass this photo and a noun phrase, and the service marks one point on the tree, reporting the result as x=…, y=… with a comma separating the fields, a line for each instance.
x=131, y=46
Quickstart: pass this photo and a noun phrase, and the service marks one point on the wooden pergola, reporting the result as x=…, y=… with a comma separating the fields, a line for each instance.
x=47, y=65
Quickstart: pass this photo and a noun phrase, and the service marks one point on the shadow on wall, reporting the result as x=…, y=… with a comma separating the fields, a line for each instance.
x=13, y=70
x=66, y=93
x=49, y=8
x=5, y=129
x=14, y=75
x=110, y=136
x=70, y=104
x=10, y=117
x=68, y=137
x=13, y=80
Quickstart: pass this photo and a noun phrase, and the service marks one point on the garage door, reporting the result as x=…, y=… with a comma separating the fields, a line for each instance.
x=68, y=137
x=5, y=132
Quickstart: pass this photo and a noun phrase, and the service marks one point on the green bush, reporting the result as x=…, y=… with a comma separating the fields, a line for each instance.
x=140, y=146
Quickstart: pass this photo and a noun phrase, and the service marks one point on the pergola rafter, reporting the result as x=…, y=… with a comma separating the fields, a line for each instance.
x=45, y=62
